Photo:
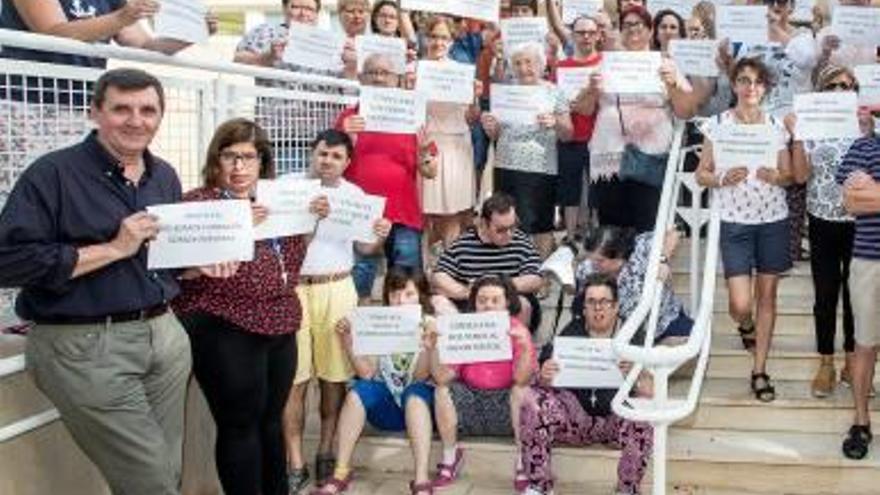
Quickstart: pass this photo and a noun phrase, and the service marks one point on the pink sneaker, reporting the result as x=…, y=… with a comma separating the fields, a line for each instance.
x=520, y=481
x=447, y=474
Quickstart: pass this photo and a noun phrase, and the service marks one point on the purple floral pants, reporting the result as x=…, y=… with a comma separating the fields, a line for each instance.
x=555, y=417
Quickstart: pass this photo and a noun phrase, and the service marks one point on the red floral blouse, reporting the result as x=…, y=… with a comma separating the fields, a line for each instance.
x=257, y=299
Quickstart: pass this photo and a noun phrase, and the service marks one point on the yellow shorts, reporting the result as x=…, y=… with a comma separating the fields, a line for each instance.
x=319, y=349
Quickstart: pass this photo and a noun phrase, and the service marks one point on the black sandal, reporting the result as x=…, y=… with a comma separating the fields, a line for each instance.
x=855, y=446
x=748, y=337
x=765, y=393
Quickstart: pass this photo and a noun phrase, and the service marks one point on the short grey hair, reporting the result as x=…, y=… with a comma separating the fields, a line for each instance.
x=531, y=49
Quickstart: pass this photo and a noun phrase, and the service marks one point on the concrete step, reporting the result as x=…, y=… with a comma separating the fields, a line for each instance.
x=728, y=404
x=792, y=357
x=707, y=459
x=791, y=285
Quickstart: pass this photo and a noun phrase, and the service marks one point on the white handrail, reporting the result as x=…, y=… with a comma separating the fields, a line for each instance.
x=34, y=41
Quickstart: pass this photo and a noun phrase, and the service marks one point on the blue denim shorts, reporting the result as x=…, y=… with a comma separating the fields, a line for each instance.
x=382, y=411
x=761, y=248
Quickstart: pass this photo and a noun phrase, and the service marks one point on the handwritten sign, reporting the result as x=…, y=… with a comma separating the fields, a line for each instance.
x=519, y=30
x=869, y=84
x=521, y=105
x=351, y=217
x=695, y=57
x=572, y=9
x=288, y=203
x=743, y=23
x=572, y=80
x=392, y=110
x=384, y=330
x=750, y=146
x=182, y=20
x=680, y=7
x=826, y=115
x=632, y=72
x=392, y=47
x=856, y=25
x=313, y=47
x=474, y=337
x=201, y=233
x=484, y=10
x=447, y=81
x=585, y=363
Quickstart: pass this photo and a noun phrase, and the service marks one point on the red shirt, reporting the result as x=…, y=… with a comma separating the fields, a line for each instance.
x=257, y=299
x=386, y=165
x=583, y=124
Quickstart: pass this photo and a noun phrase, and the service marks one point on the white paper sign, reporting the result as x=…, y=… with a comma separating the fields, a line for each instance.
x=631, y=72
x=201, y=233
x=474, y=337
x=446, y=81
x=484, y=10
x=384, y=330
x=745, y=23
x=392, y=47
x=572, y=9
x=519, y=30
x=182, y=20
x=585, y=363
x=803, y=11
x=869, y=84
x=313, y=47
x=826, y=115
x=750, y=146
x=351, y=217
x=288, y=203
x=856, y=25
x=572, y=80
x=392, y=110
x=680, y=7
x=695, y=57
x=514, y=104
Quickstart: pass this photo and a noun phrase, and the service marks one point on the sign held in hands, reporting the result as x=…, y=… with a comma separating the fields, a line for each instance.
x=288, y=203
x=826, y=115
x=384, y=330
x=585, y=363
x=474, y=337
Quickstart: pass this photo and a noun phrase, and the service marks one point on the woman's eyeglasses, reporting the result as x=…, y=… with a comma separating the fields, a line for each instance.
x=838, y=86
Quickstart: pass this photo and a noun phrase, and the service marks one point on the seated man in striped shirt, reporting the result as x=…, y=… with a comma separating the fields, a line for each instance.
x=495, y=247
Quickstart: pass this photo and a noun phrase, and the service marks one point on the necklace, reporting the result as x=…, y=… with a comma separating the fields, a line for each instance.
x=757, y=118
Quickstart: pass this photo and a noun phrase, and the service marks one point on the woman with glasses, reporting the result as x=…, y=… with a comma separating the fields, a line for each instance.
x=623, y=255
x=448, y=198
x=583, y=416
x=636, y=125
x=574, y=155
x=754, y=218
x=831, y=233
x=242, y=319
x=526, y=159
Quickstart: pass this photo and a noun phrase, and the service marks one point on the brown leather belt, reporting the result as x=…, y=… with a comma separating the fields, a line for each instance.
x=122, y=317
x=323, y=279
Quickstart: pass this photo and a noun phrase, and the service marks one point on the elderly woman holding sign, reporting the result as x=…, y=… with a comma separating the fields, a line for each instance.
x=526, y=157
x=580, y=414
x=242, y=319
x=633, y=134
x=448, y=198
x=754, y=213
x=482, y=398
x=390, y=390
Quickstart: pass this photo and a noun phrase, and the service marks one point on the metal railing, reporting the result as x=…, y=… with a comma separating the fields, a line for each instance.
x=662, y=361
x=45, y=106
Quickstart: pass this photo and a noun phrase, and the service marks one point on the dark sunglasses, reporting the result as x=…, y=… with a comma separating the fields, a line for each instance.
x=777, y=3
x=839, y=86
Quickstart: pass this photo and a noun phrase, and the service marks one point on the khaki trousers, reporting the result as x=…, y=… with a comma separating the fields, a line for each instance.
x=120, y=389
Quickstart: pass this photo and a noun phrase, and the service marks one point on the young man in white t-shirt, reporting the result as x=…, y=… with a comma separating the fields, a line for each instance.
x=327, y=294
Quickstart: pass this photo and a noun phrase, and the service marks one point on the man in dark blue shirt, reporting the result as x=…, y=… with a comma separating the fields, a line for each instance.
x=104, y=347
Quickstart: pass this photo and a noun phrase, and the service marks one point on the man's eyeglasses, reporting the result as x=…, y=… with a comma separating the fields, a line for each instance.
x=586, y=33
x=503, y=229
x=303, y=8
x=599, y=303
x=632, y=26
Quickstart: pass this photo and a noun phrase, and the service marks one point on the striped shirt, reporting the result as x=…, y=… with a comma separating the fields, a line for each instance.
x=864, y=155
x=469, y=258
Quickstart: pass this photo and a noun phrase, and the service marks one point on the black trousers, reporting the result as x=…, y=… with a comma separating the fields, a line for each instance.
x=831, y=246
x=626, y=203
x=246, y=379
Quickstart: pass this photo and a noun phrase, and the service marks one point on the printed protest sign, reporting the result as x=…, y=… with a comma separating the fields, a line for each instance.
x=474, y=337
